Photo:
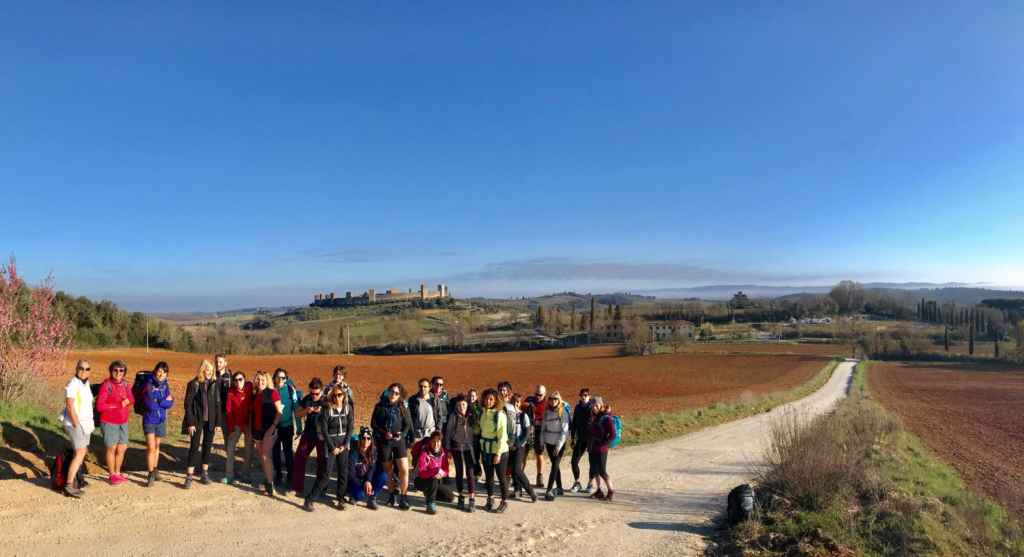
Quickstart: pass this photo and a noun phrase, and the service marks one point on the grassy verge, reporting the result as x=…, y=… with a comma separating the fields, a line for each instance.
x=856, y=483
x=656, y=427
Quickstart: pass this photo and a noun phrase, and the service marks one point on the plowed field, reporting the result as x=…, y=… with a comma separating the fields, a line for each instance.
x=972, y=416
x=634, y=385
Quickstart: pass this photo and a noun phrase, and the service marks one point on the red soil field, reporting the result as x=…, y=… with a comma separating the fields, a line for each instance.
x=971, y=415
x=634, y=385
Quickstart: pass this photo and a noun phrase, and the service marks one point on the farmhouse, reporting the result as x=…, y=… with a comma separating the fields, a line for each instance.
x=666, y=330
x=389, y=296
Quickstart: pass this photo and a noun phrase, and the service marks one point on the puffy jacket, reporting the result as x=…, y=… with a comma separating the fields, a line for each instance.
x=156, y=396
x=602, y=431
x=493, y=432
x=193, y=407
x=109, y=405
x=429, y=464
x=556, y=428
x=239, y=407
x=390, y=418
x=458, y=434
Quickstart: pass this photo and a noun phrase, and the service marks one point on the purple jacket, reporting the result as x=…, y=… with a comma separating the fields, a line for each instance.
x=156, y=402
x=602, y=431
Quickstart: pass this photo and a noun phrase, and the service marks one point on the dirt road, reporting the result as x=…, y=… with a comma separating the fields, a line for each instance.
x=667, y=493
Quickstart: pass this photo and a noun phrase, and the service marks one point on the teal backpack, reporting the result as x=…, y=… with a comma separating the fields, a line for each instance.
x=617, y=440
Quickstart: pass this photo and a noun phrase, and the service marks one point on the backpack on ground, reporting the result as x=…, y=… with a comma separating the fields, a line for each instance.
x=740, y=504
x=59, y=469
x=142, y=379
x=617, y=440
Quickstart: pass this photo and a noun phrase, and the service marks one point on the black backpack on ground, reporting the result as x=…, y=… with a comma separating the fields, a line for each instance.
x=740, y=505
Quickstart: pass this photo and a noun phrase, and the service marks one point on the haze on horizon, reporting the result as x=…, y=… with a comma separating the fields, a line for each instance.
x=209, y=159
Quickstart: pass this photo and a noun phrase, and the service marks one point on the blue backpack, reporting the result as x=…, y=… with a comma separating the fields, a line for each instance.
x=617, y=440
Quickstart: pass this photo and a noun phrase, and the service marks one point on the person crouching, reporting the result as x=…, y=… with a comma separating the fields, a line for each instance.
x=431, y=469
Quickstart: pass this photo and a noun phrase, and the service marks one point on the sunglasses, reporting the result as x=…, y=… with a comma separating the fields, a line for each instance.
x=239, y=379
x=84, y=369
x=338, y=395
x=314, y=393
x=118, y=370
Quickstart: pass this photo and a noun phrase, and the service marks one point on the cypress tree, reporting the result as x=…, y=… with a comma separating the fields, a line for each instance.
x=618, y=313
x=945, y=338
x=970, y=345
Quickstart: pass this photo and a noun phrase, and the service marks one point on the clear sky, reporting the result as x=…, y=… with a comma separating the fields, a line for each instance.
x=175, y=156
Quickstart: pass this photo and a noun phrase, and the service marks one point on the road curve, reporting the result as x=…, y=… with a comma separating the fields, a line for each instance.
x=667, y=494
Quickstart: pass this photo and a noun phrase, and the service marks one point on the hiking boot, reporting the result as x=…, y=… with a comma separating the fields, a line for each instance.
x=588, y=489
x=341, y=503
x=229, y=480
x=188, y=481
x=576, y=487
x=269, y=488
x=533, y=497
x=548, y=496
x=597, y=495
x=371, y=504
x=462, y=503
x=392, y=500
x=559, y=492
x=403, y=503
x=150, y=479
x=608, y=498
x=502, y=507
x=489, y=507
x=204, y=478
x=307, y=505
x=540, y=480
x=471, y=507
x=72, y=491
x=431, y=508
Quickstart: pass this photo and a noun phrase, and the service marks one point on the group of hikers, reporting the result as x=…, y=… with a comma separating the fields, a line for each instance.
x=410, y=441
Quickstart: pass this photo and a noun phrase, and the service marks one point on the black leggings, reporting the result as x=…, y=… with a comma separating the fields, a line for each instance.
x=199, y=451
x=555, y=475
x=578, y=450
x=465, y=461
x=335, y=462
x=517, y=460
x=477, y=467
x=434, y=489
x=490, y=468
x=284, y=444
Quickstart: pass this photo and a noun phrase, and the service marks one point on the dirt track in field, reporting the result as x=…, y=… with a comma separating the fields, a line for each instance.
x=635, y=385
x=972, y=417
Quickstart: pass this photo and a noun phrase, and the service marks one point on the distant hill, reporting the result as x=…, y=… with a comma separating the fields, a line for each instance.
x=910, y=292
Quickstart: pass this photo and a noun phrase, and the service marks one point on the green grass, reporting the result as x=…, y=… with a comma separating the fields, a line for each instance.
x=656, y=427
x=909, y=502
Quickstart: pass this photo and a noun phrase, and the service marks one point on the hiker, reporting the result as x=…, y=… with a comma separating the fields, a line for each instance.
x=334, y=427
x=460, y=442
x=579, y=438
x=224, y=377
x=421, y=410
x=158, y=399
x=284, y=447
x=494, y=444
x=114, y=403
x=309, y=408
x=476, y=410
x=602, y=432
x=266, y=411
x=392, y=425
x=238, y=416
x=338, y=374
x=440, y=400
x=517, y=447
x=78, y=423
x=365, y=477
x=538, y=403
x=557, y=419
x=202, y=414
x=432, y=468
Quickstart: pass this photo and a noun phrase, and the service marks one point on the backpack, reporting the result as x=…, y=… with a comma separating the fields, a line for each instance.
x=617, y=440
x=95, y=387
x=740, y=504
x=59, y=469
x=142, y=379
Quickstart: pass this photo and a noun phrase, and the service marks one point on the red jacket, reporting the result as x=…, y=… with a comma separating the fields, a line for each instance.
x=239, y=407
x=108, y=402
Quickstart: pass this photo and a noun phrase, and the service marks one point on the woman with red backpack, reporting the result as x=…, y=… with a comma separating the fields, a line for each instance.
x=114, y=403
x=157, y=398
x=602, y=432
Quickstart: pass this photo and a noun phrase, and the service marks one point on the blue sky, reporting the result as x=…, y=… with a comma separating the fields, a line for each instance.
x=189, y=156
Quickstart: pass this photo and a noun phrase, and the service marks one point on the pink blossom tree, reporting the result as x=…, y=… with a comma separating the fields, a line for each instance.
x=34, y=338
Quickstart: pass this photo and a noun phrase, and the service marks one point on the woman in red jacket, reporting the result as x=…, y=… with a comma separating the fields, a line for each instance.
x=115, y=402
x=239, y=422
